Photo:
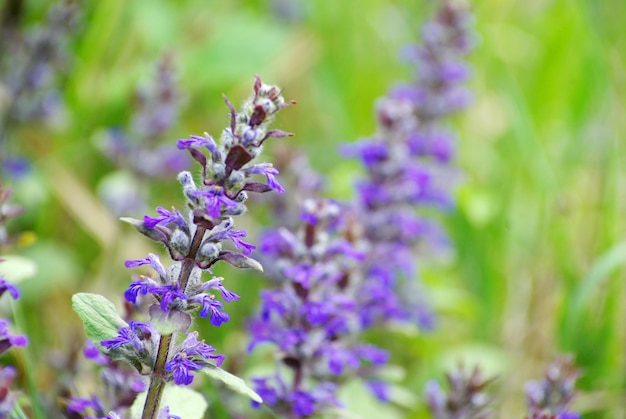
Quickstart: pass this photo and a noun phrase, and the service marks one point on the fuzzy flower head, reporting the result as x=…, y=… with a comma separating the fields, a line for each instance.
x=553, y=395
x=466, y=397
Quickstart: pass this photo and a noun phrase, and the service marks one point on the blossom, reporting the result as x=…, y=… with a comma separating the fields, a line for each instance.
x=466, y=396
x=7, y=286
x=181, y=367
x=132, y=335
x=152, y=260
x=194, y=242
x=211, y=308
x=166, y=217
x=554, y=393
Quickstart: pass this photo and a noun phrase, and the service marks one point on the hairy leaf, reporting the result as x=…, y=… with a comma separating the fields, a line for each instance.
x=99, y=317
x=232, y=381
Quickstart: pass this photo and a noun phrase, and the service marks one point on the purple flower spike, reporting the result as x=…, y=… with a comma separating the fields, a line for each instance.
x=194, y=243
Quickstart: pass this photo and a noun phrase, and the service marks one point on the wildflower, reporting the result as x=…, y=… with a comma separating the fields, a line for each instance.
x=194, y=243
x=465, y=399
x=311, y=316
x=552, y=396
x=408, y=168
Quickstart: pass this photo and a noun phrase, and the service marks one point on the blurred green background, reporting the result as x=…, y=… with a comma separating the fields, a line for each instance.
x=539, y=233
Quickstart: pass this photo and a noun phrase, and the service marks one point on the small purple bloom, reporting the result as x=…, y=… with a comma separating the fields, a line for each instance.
x=371, y=152
x=267, y=393
x=6, y=336
x=152, y=260
x=379, y=389
x=372, y=354
x=143, y=286
x=303, y=404
x=92, y=352
x=7, y=286
x=166, y=217
x=128, y=336
x=212, y=307
x=18, y=340
x=198, y=141
x=269, y=172
x=340, y=358
x=181, y=367
x=169, y=293
x=216, y=283
x=225, y=231
x=215, y=198
x=192, y=346
x=79, y=404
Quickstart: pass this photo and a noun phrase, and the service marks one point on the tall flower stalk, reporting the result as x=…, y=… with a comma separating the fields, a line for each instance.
x=408, y=169
x=165, y=348
x=310, y=317
x=338, y=273
x=32, y=64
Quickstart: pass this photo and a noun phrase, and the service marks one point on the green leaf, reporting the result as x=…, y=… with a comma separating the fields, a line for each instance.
x=99, y=317
x=17, y=268
x=168, y=322
x=182, y=401
x=601, y=271
x=233, y=382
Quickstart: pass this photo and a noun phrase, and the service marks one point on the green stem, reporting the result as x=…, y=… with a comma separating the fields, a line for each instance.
x=157, y=379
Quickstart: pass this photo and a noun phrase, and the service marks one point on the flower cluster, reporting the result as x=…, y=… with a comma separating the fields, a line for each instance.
x=8, y=374
x=164, y=347
x=310, y=318
x=408, y=168
x=137, y=150
x=8, y=211
x=31, y=64
x=466, y=398
x=551, y=397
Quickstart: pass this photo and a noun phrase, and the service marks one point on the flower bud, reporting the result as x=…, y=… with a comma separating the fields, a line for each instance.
x=209, y=251
x=180, y=242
